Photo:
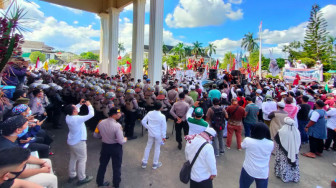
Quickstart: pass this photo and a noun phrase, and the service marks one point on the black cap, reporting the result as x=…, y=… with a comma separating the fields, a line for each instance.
x=113, y=111
x=8, y=126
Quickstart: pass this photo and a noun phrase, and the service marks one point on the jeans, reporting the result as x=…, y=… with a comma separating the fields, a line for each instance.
x=203, y=184
x=77, y=161
x=247, y=128
x=150, y=142
x=303, y=133
x=218, y=140
x=246, y=180
x=331, y=137
x=238, y=130
x=114, y=152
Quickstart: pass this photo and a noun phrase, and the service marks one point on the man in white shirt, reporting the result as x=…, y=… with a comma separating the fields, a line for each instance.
x=204, y=169
x=258, y=101
x=77, y=141
x=331, y=127
x=156, y=124
x=268, y=107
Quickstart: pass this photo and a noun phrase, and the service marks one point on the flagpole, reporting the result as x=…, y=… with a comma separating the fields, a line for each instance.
x=260, y=46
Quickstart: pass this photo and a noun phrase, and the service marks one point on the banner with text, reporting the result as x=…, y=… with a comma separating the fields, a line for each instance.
x=305, y=74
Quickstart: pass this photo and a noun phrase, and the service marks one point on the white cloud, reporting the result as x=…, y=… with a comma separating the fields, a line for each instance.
x=225, y=45
x=76, y=11
x=235, y=1
x=130, y=7
x=75, y=22
x=197, y=13
x=329, y=13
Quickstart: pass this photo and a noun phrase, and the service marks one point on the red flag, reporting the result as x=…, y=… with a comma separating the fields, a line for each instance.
x=217, y=64
x=234, y=64
x=38, y=63
x=297, y=79
x=248, y=68
x=67, y=68
x=82, y=69
x=73, y=69
x=123, y=69
x=97, y=70
x=189, y=65
x=119, y=58
x=128, y=70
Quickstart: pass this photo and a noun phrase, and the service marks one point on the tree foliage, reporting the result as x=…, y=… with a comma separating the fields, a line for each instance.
x=315, y=41
x=121, y=48
x=53, y=62
x=89, y=56
x=196, y=48
x=249, y=43
x=308, y=61
x=37, y=54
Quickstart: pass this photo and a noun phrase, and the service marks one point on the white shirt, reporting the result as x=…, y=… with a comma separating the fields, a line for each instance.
x=267, y=108
x=77, y=128
x=331, y=120
x=195, y=126
x=257, y=156
x=259, y=101
x=247, y=91
x=205, y=164
x=156, y=124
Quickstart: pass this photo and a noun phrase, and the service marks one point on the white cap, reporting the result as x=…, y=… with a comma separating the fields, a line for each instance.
x=267, y=87
x=281, y=104
x=283, y=93
x=224, y=95
x=192, y=87
x=259, y=91
x=210, y=131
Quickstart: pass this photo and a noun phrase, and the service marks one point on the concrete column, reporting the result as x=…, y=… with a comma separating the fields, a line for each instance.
x=104, y=43
x=155, y=40
x=138, y=38
x=113, y=40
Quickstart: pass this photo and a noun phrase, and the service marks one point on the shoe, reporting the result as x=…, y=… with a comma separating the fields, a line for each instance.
x=143, y=165
x=240, y=150
x=132, y=138
x=155, y=166
x=106, y=183
x=221, y=152
x=70, y=180
x=334, y=164
x=84, y=181
x=179, y=146
x=167, y=137
x=228, y=147
x=51, y=153
x=217, y=155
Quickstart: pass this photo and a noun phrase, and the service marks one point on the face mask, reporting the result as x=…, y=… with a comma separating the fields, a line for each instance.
x=23, y=132
x=29, y=114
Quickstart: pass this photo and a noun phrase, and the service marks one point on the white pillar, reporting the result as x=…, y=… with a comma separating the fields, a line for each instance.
x=104, y=43
x=155, y=40
x=113, y=40
x=138, y=38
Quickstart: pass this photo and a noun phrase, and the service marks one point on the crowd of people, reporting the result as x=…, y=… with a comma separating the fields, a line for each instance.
x=275, y=117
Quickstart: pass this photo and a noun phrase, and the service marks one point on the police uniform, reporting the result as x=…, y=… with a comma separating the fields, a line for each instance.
x=111, y=134
x=131, y=106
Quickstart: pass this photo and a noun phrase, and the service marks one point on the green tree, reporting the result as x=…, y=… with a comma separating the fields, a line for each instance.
x=173, y=61
x=179, y=50
x=308, y=61
x=196, y=48
x=315, y=41
x=53, y=62
x=187, y=51
x=121, y=48
x=228, y=59
x=249, y=43
x=89, y=56
x=37, y=54
x=210, y=49
x=124, y=60
x=281, y=62
x=165, y=49
x=294, y=50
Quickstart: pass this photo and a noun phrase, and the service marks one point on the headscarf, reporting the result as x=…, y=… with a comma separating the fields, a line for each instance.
x=290, y=139
x=17, y=110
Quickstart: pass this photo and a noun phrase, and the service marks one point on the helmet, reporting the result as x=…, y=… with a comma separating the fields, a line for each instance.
x=82, y=85
x=110, y=95
x=130, y=85
x=101, y=91
x=138, y=85
x=69, y=82
x=113, y=82
x=89, y=85
x=120, y=84
x=101, y=81
x=77, y=82
x=107, y=82
x=121, y=90
x=100, y=85
x=130, y=91
x=93, y=82
x=33, y=85
x=162, y=92
x=52, y=84
x=43, y=86
x=95, y=88
x=150, y=88
x=56, y=88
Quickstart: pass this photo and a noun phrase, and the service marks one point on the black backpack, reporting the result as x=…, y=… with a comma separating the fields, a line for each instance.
x=218, y=120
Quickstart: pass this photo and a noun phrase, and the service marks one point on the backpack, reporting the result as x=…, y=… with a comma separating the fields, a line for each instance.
x=217, y=120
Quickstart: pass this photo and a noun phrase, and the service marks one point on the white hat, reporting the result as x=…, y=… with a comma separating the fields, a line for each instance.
x=281, y=104
x=210, y=131
x=192, y=87
x=259, y=91
x=283, y=93
x=224, y=95
x=334, y=92
x=267, y=87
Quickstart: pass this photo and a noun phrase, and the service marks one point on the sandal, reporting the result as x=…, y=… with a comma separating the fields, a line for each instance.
x=309, y=154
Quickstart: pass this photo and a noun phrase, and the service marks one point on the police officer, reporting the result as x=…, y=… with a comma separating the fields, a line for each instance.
x=150, y=98
x=111, y=134
x=131, y=107
x=164, y=102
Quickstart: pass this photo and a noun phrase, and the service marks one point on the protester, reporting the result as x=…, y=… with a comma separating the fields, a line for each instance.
x=156, y=124
x=277, y=119
x=77, y=141
x=257, y=156
x=204, y=169
x=303, y=118
x=267, y=107
x=110, y=131
x=236, y=114
x=287, y=147
x=331, y=127
x=251, y=115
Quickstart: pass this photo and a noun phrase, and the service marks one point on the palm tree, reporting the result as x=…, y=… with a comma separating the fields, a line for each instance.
x=332, y=43
x=197, y=48
x=210, y=49
x=121, y=48
x=249, y=43
x=179, y=50
x=165, y=49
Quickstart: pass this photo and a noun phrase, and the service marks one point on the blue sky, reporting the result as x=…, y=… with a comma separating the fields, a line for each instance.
x=223, y=23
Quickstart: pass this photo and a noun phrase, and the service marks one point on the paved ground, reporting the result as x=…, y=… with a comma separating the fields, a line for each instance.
x=314, y=172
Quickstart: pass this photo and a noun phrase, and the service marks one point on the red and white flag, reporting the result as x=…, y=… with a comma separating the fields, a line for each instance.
x=38, y=63
x=67, y=68
x=129, y=69
x=217, y=64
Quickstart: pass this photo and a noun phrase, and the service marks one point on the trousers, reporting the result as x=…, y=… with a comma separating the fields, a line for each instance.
x=178, y=128
x=303, y=133
x=48, y=180
x=316, y=145
x=246, y=180
x=78, y=156
x=157, y=141
x=218, y=141
x=115, y=153
x=203, y=184
x=331, y=137
x=237, y=130
x=130, y=118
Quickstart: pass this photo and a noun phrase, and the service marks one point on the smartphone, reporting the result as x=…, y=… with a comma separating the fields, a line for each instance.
x=44, y=118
